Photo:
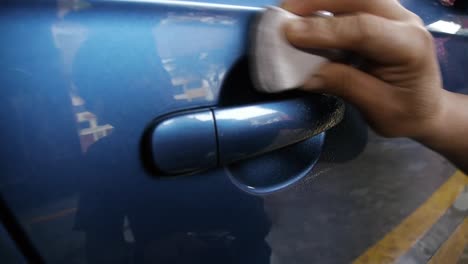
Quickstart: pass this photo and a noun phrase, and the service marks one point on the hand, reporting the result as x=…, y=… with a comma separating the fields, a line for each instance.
x=400, y=92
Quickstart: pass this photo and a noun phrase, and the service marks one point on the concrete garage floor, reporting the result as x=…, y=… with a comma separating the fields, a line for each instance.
x=464, y=258
x=342, y=210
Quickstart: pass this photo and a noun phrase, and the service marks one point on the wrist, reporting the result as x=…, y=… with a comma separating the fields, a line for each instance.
x=433, y=132
x=449, y=132
x=446, y=131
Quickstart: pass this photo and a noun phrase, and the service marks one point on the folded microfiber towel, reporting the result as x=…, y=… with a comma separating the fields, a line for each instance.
x=276, y=65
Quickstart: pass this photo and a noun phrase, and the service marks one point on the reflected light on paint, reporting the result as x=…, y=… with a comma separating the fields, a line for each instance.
x=245, y=113
x=198, y=4
x=203, y=118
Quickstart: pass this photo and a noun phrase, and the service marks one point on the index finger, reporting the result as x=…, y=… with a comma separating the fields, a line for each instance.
x=390, y=9
x=371, y=36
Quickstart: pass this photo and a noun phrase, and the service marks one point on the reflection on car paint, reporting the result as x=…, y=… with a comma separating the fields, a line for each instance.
x=204, y=51
x=43, y=169
x=68, y=38
x=9, y=252
x=189, y=82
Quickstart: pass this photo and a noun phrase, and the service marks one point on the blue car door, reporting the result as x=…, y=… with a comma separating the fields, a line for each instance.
x=131, y=133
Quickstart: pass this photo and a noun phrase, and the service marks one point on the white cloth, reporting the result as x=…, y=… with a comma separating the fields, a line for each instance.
x=275, y=64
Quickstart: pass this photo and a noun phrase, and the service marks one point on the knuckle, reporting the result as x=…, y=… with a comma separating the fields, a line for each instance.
x=416, y=43
x=427, y=36
x=417, y=20
x=365, y=26
x=413, y=18
x=308, y=25
x=423, y=34
x=422, y=41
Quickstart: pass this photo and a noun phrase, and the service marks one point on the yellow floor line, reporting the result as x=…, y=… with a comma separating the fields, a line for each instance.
x=452, y=249
x=400, y=239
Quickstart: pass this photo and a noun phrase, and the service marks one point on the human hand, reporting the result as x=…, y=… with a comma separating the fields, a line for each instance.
x=399, y=91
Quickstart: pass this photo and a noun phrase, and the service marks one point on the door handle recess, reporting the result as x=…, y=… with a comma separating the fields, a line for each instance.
x=188, y=142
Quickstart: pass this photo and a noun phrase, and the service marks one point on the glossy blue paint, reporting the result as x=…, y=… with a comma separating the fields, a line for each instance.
x=97, y=75
x=9, y=252
x=81, y=80
x=185, y=143
x=279, y=170
x=251, y=130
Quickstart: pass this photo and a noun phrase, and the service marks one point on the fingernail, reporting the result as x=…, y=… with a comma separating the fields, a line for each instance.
x=297, y=26
x=314, y=83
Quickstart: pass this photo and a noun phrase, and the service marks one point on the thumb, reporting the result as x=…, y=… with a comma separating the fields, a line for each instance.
x=366, y=92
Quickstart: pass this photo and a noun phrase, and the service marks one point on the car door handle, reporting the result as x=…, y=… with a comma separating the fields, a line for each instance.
x=188, y=142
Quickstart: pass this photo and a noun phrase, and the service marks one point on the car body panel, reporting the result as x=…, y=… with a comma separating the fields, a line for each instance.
x=82, y=80
x=9, y=253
